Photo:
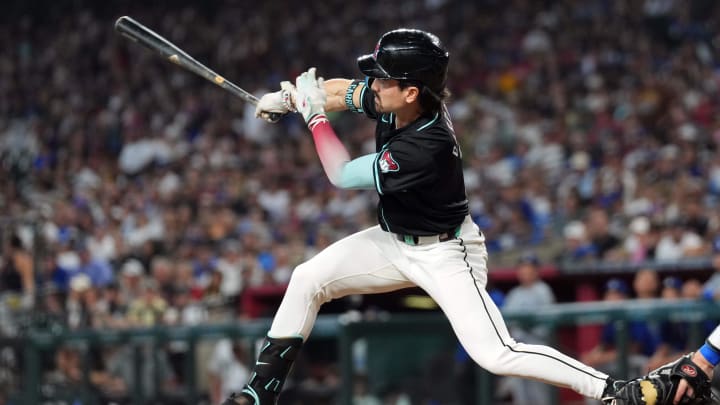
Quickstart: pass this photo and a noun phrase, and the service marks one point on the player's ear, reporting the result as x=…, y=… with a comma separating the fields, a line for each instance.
x=412, y=93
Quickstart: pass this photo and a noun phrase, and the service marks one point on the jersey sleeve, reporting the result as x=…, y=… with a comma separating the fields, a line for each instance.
x=402, y=165
x=367, y=101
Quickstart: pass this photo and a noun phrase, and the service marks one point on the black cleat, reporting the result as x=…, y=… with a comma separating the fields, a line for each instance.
x=237, y=399
x=612, y=395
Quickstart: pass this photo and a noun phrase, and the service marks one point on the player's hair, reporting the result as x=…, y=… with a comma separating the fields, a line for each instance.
x=430, y=101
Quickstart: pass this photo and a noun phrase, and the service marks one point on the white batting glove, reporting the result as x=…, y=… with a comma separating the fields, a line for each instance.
x=280, y=102
x=310, y=97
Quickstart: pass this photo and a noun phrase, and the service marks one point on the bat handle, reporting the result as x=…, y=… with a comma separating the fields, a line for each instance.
x=275, y=117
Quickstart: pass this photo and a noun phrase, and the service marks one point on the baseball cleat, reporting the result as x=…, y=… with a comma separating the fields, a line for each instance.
x=611, y=395
x=237, y=399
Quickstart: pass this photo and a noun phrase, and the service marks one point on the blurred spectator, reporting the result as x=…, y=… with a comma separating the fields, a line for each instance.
x=78, y=313
x=692, y=289
x=642, y=340
x=213, y=299
x=361, y=392
x=577, y=247
x=711, y=288
x=155, y=367
x=17, y=276
x=646, y=284
x=98, y=269
x=640, y=243
x=532, y=294
x=102, y=244
x=149, y=308
x=605, y=242
x=227, y=369
x=230, y=265
x=66, y=378
x=673, y=336
x=162, y=271
x=131, y=281
x=677, y=242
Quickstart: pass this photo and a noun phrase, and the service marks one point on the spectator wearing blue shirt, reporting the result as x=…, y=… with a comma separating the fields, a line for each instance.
x=96, y=268
x=577, y=246
x=674, y=335
x=642, y=339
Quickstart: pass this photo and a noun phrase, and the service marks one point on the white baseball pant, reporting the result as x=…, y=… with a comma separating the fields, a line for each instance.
x=454, y=274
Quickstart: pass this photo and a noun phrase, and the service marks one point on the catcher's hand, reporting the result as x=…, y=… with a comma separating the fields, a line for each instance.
x=660, y=385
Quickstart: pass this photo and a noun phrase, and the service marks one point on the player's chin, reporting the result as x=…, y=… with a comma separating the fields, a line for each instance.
x=379, y=106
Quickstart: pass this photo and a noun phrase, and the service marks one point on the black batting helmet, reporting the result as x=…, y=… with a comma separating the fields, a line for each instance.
x=408, y=54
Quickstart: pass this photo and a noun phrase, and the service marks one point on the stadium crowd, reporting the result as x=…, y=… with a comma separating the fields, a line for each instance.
x=136, y=194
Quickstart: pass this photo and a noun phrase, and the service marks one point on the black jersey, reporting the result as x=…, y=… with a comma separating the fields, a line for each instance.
x=418, y=173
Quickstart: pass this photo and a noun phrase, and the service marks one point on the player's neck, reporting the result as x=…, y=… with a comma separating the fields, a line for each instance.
x=406, y=115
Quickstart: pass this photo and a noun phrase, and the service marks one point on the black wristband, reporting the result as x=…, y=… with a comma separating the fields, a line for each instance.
x=349, y=97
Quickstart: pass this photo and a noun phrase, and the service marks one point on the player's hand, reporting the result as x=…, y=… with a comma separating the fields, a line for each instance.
x=310, y=97
x=280, y=102
x=686, y=390
x=683, y=389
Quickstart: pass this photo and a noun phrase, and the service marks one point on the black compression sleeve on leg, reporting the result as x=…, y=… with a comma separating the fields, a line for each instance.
x=271, y=369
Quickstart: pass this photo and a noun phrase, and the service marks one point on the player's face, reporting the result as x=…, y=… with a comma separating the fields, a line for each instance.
x=389, y=97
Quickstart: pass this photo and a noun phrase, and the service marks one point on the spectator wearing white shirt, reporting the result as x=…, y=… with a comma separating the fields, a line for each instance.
x=230, y=265
x=678, y=242
x=226, y=370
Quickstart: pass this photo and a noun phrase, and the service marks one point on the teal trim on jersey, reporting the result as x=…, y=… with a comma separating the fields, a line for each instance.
x=409, y=240
x=358, y=173
x=267, y=344
x=250, y=391
x=376, y=176
x=432, y=121
x=382, y=215
x=382, y=118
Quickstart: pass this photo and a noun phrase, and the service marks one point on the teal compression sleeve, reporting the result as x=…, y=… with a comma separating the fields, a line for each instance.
x=358, y=173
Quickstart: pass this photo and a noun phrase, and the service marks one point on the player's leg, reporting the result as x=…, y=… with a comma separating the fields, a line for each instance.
x=353, y=265
x=454, y=273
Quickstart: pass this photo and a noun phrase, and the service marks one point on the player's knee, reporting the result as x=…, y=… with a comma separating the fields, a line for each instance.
x=305, y=282
x=302, y=278
x=495, y=361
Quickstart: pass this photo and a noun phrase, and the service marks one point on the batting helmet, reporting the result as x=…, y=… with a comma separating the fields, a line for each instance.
x=408, y=54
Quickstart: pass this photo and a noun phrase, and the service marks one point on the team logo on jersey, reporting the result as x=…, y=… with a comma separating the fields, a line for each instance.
x=387, y=163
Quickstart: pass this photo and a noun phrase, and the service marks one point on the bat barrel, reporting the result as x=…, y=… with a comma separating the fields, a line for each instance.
x=143, y=35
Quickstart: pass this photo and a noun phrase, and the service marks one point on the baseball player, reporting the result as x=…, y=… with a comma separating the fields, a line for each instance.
x=424, y=235
x=684, y=381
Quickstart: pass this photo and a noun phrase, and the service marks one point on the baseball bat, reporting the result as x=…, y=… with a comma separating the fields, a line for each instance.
x=155, y=42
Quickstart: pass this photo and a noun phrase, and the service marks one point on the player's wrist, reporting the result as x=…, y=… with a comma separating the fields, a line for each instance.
x=316, y=120
x=706, y=358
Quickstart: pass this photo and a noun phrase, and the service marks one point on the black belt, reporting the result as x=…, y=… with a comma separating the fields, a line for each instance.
x=416, y=240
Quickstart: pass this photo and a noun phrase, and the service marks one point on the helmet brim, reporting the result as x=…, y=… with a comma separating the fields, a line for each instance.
x=369, y=66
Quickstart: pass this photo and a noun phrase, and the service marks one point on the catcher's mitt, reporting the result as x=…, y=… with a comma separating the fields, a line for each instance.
x=660, y=385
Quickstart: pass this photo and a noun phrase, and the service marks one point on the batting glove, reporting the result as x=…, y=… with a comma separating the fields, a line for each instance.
x=311, y=97
x=279, y=102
